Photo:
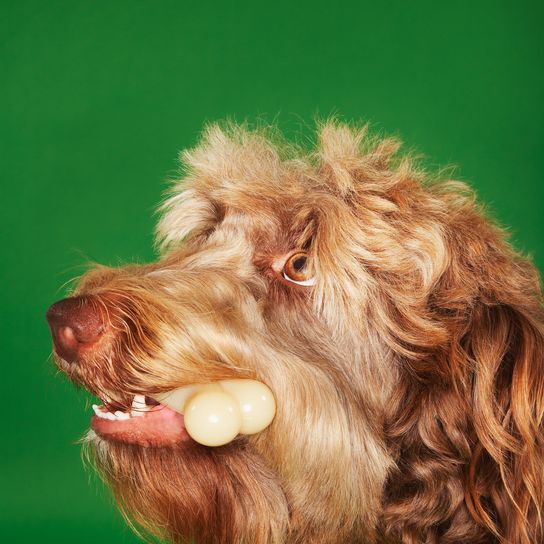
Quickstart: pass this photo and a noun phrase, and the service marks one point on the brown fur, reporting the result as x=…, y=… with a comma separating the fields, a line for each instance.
x=409, y=379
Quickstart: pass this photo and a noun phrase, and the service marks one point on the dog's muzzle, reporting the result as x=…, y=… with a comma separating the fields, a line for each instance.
x=211, y=414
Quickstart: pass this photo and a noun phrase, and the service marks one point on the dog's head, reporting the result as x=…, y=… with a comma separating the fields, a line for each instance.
x=401, y=336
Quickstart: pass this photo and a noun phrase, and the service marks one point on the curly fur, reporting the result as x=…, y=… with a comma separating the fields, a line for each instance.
x=409, y=379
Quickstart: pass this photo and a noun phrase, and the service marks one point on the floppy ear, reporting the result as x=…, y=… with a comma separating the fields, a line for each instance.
x=505, y=481
x=465, y=421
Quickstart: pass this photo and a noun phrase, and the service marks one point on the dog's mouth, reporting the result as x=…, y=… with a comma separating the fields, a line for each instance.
x=146, y=422
x=212, y=414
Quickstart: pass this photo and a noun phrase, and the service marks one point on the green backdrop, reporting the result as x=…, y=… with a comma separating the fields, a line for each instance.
x=96, y=99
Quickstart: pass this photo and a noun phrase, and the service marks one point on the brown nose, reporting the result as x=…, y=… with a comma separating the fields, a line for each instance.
x=74, y=323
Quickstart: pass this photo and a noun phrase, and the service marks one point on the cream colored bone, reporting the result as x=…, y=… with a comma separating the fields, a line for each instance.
x=216, y=413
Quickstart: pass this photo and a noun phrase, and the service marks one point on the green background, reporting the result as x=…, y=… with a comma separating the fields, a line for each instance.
x=96, y=100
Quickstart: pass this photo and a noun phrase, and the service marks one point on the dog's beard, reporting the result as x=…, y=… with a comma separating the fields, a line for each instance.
x=211, y=495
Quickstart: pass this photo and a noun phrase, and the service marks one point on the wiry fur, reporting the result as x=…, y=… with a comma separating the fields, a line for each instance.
x=409, y=379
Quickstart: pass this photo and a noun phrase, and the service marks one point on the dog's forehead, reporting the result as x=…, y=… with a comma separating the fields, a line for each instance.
x=275, y=193
x=280, y=186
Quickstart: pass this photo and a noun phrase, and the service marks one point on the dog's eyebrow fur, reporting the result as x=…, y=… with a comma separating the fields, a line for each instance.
x=185, y=212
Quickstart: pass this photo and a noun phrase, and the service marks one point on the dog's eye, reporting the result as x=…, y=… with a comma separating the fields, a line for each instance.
x=296, y=269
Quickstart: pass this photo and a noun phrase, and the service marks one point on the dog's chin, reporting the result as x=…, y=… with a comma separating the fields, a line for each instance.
x=186, y=490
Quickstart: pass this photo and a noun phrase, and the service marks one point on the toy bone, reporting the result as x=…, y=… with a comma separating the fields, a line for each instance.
x=216, y=413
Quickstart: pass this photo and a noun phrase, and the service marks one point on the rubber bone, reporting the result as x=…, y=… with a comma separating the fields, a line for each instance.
x=216, y=413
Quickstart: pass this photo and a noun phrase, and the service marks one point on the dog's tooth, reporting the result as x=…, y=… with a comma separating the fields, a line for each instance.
x=110, y=416
x=138, y=403
x=99, y=411
x=121, y=415
x=136, y=413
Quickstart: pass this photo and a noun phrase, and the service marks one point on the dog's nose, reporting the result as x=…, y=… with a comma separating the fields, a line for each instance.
x=74, y=323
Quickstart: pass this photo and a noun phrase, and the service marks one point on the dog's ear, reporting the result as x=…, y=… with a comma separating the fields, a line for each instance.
x=352, y=161
x=466, y=421
x=505, y=482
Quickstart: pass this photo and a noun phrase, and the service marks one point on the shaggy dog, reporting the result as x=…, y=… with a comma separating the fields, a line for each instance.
x=402, y=336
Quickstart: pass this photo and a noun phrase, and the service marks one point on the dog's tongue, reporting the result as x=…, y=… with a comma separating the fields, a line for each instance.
x=158, y=427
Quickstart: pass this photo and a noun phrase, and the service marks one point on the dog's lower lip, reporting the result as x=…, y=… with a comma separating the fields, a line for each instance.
x=157, y=427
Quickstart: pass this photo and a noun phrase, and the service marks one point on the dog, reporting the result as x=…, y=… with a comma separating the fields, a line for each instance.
x=400, y=334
